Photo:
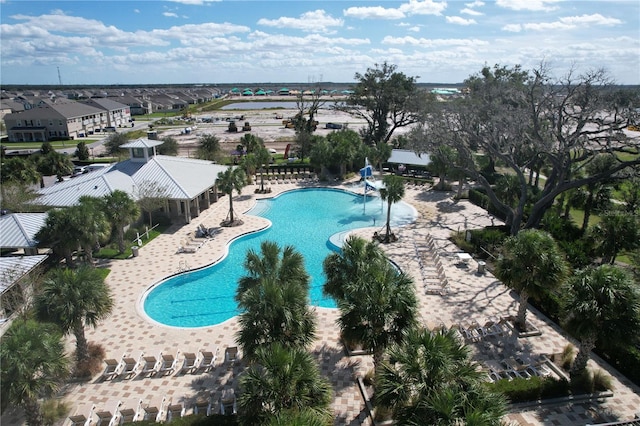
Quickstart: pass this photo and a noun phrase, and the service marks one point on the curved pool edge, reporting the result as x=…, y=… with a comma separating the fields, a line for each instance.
x=139, y=306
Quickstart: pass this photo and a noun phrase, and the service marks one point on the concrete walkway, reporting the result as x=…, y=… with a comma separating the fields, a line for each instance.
x=471, y=296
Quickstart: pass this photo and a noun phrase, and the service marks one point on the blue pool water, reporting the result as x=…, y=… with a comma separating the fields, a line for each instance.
x=304, y=218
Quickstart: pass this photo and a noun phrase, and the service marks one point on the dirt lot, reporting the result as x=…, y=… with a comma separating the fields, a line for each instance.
x=264, y=124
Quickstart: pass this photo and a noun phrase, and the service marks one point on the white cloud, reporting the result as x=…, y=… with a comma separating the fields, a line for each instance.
x=534, y=5
x=170, y=14
x=415, y=29
x=471, y=12
x=314, y=21
x=414, y=7
x=375, y=12
x=595, y=19
x=426, y=42
x=514, y=28
x=458, y=20
x=476, y=3
x=424, y=7
x=565, y=23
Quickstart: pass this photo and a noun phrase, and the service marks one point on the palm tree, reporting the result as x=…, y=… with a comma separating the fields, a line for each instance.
x=251, y=143
x=73, y=299
x=353, y=260
x=531, y=263
x=19, y=170
x=377, y=305
x=33, y=365
x=231, y=179
x=209, y=148
x=431, y=379
x=602, y=304
x=59, y=234
x=55, y=163
x=249, y=164
x=262, y=158
x=274, y=298
x=392, y=192
x=91, y=224
x=616, y=231
x=120, y=210
x=302, y=417
x=282, y=379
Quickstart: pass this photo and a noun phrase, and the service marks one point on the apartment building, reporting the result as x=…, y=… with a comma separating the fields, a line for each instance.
x=65, y=119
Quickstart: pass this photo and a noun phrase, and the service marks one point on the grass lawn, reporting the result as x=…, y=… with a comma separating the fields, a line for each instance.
x=111, y=251
x=54, y=144
x=577, y=216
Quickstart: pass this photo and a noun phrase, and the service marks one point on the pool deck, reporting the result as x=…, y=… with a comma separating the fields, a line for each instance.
x=472, y=296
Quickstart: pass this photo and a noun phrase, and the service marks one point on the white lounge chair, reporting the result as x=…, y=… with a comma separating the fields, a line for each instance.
x=81, y=419
x=130, y=366
x=231, y=354
x=174, y=411
x=155, y=411
x=203, y=405
x=107, y=417
x=189, y=363
x=228, y=403
x=208, y=360
x=168, y=363
x=187, y=249
x=131, y=413
x=112, y=367
x=150, y=365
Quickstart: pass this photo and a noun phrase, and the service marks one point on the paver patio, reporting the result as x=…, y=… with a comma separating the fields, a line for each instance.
x=471, y=296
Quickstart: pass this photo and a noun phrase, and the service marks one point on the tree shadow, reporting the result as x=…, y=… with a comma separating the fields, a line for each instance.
x=336, y=366
x=449, y=206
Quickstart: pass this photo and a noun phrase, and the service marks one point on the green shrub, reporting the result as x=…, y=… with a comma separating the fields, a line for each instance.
x=560, y=228
x=489, y=239
x=519, y=390
x=369, y=377
x=550, y=304
x=578, y=252
x=601, y=380
x=583, y=382
x=568, y=355
x=626, y=359
x=90, y=367
x=478, y=198
x=458, y=238
x=54, y=410
x=532, y=389
x=554, y=388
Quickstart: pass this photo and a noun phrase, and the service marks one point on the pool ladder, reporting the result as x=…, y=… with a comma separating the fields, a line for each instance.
x=183, y=266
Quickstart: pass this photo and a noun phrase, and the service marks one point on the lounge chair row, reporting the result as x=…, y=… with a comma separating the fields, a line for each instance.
x=474, y=331
x=166, y=364
x=512, y=368
x=161, y=410
x=433, y=276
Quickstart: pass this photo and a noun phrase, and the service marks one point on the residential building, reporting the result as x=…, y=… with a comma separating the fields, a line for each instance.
x=64, y=119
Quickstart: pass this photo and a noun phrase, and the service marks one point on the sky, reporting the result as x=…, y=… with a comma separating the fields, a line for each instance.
x=209, y=42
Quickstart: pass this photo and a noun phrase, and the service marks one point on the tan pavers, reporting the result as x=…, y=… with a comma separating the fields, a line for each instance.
x=471, y=296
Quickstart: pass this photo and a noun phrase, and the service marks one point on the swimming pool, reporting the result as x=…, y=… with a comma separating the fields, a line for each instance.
x=304, y=218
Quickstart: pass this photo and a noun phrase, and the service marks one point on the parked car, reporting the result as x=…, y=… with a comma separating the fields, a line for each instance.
x=335, y=126
x=79, y=170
